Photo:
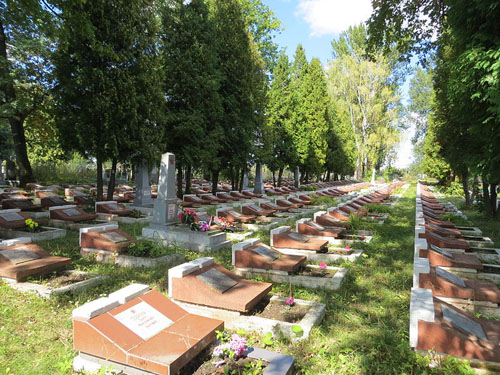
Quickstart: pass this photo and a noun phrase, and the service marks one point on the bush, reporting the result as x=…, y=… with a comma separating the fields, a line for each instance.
x=149, y=249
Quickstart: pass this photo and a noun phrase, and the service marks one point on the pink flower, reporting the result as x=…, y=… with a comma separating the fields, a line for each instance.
x=362, y=235
x=238, y=345
x=218, y=351
x=347, y=248
x=322, y=265
x=290, y=301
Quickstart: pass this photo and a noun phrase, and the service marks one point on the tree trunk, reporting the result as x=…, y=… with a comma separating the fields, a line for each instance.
x=242, y=176
x=493, y=200
x=179, y=180
x=188, y=179
x=10, y=170
x=16, y=120
x=280, y=176
x=274, y=178
x=111, y=182
x=99, y=179
x=486, y=198
x=233, y=179
x=327, y=178
x=475, y=188
x=215, y=181
x=465, y=187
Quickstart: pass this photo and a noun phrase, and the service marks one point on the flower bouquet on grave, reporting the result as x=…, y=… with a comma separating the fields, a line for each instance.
x=190, y=218
x=224, y=224
x=32, y=225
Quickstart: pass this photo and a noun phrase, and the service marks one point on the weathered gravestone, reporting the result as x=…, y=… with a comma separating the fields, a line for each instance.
x=143, y=188
x=165, y=205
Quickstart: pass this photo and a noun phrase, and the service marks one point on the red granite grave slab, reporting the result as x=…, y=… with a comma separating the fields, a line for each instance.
x=150, y=333
x=475, y=290
x=437, y=240
x=213, y=198
x=227, y=197
x=457, y=261
x=286, y=203
x=444, y=337
x=197, y=200
x=298, y=201
x=238, y=195
x=347, y=209
x=339, y=215
x=82, y=200
x=241, y=297
x=308, y=228
x=113, y=208
x=274, y=207
x=236, y=217
x=53, y=201
x=41, y=261
x=253, y=211
x=104, y=240
x=329, y=221
x=21, y=204
x=13, y=220
x=439, y=223
x=249, y=194
x=445, y=232
x=45, y=194
x=249, y=259
x=283, y=240
x=430, y=214
x=70, y=214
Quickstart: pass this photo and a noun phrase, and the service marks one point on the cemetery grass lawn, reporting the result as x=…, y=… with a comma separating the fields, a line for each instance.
x=365, y=330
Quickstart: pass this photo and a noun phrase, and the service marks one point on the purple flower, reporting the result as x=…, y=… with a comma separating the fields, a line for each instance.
x=238, y=345
x=218, y=351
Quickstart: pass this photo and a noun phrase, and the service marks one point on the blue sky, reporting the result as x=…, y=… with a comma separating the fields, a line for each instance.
x=314, y=24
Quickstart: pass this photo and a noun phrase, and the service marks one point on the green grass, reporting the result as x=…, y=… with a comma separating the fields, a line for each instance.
x=365, y=330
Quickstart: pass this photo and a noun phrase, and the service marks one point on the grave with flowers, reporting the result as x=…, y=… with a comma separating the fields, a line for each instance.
x=252, y=258
x=14, y=224
x=230, y=354
x=206, y=288
x=185, y=230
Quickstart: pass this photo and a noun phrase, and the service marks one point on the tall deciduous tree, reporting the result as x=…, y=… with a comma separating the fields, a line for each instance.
x=366, y=90
x=25, y=39
x=108, y=81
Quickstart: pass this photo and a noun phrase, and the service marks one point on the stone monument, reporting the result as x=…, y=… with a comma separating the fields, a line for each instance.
x=245, y=181
x=165, y=206
x=297, y=177
x=259, y=184
x=143, y=188
x=165, y=226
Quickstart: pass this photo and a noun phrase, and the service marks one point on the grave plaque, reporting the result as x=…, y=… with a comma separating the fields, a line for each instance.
x=23, y=203
x=463, y=323
x=71, y=212
x=19, y=255
x=316, y=225
x=234, y=213
x=274, y=206
x=144, y=320
x=297, y=237
x=266, y=252
x=217, y=280
x=445, y=253
x=114, y=237
x=56, y=200
x=11, y=216
x=450, y=277
x=114, y=206
x=254, y=207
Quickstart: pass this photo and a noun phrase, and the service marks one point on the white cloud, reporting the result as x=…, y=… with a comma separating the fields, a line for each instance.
x=333, y=16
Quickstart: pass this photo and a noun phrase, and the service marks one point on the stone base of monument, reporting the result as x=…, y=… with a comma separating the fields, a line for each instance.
x=345, y=240
x=234, y=320
x=315, y=282
x=332, y=256
x=46, y=291
x=182, y=236
x=45, y=233
x=124, y=219
x=111, y=257
x=76, y=226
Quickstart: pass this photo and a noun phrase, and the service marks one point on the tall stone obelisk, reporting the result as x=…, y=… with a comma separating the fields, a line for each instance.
x=165, y=205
